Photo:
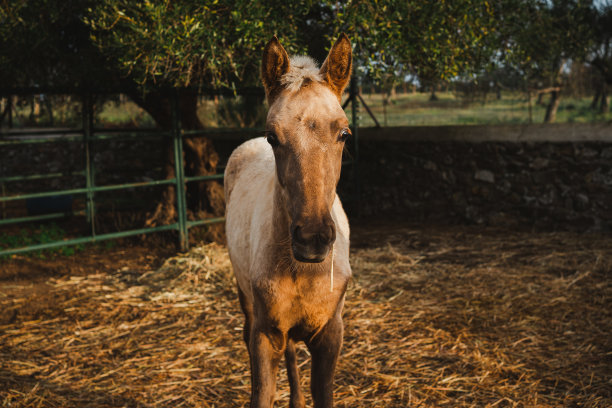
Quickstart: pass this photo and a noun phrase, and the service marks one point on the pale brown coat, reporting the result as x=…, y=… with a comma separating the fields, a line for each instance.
x=285, y=223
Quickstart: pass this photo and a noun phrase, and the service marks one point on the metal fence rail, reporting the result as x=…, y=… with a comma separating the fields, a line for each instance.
x=87, y=135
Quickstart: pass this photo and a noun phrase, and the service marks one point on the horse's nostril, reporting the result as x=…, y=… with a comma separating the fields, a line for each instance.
x=302, y=236
x=324, y=235
x=327, y=234
x=311, y=241
x=295, y=232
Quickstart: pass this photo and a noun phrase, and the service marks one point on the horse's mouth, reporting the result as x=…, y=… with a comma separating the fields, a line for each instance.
x=309, y=255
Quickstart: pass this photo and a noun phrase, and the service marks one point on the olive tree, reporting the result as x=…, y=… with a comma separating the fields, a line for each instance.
x=146, y=48
x=601, y=54
x=542, y=38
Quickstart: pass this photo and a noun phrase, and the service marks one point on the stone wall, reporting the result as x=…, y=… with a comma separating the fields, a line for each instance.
x=543, y=176
x=485, y=179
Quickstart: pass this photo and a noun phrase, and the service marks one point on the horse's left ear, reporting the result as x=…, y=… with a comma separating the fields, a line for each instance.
x=274, y=64
x=336, y=70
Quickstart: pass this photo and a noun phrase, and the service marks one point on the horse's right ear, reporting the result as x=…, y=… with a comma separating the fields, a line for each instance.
x=336, y=69
x=274, y=65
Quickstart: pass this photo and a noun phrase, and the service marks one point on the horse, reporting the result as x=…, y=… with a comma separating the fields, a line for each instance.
x=287, y=233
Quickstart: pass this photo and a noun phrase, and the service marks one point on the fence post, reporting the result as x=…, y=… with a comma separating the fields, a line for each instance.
x=87, y=111
x=354, y=91
x=179, y=173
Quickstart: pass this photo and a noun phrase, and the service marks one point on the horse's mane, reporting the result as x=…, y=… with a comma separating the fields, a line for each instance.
x=301, y=68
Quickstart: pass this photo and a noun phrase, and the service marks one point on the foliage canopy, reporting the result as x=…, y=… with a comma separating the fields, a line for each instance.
x=213, y=43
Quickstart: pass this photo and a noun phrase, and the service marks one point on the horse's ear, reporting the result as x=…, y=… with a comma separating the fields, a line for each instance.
x=274, y=65
x=336, y=69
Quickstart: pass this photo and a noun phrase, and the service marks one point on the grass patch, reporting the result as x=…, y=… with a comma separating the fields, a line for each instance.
x=36, y=235
x=513, y=108
x=125, y=114
x=405, y=109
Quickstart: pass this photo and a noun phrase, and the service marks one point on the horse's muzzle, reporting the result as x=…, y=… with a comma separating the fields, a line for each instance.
x=312, y=242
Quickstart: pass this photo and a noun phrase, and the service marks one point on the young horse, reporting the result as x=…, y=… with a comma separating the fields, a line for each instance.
x=285, y=224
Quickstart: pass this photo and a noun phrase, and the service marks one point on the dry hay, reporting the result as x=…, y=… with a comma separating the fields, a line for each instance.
x=434, y=318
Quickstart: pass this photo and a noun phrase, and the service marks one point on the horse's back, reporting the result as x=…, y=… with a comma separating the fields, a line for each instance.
x=250, y=159
x=249, y=187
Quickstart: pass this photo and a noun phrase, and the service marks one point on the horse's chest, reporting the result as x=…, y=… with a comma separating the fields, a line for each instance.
x=312, y=312
x=306, y=306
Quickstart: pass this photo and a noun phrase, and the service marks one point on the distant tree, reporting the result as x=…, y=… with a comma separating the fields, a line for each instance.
x=147, y=47
x=432, y=40
x=541, y=38
x=205, y=44
x=601, y=54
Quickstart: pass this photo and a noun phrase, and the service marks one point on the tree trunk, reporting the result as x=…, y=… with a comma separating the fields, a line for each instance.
x=385, y=102
x=49, y=108
x=603, y=105
x=551, y=109
x=596, y=97
x=33, y=109
x=433, y=97
x=540, y=97
x=530, y=106
x=6, y=111
x=201, y=158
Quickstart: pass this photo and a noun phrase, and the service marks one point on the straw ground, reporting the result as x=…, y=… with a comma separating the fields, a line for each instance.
x=435, y=317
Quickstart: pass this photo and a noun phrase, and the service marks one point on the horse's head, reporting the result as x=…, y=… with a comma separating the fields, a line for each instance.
x=307, y=128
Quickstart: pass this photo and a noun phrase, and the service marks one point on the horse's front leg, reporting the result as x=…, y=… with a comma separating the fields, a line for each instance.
x=266, y=349
x=325, y=349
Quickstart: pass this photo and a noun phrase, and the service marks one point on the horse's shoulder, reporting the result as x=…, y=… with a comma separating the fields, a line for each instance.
x=254, y=152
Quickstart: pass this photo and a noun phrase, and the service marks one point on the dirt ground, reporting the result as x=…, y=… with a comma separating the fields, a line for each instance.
x=436, y=316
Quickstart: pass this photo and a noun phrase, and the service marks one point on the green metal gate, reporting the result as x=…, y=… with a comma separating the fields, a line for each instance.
x=88, y=135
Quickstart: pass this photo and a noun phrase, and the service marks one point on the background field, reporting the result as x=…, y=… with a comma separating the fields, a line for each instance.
x=404, y=109
x=513, y=108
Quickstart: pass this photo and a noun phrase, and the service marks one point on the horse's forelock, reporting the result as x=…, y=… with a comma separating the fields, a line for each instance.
x=302, y=69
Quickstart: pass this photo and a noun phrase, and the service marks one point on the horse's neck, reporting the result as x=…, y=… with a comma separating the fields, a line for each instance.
x=280, y=234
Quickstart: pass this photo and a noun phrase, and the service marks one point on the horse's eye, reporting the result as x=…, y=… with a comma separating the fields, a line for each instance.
x=272, y=139
x=344, y=134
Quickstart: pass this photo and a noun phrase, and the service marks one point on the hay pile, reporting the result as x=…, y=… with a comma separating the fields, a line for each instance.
x=434, y=317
